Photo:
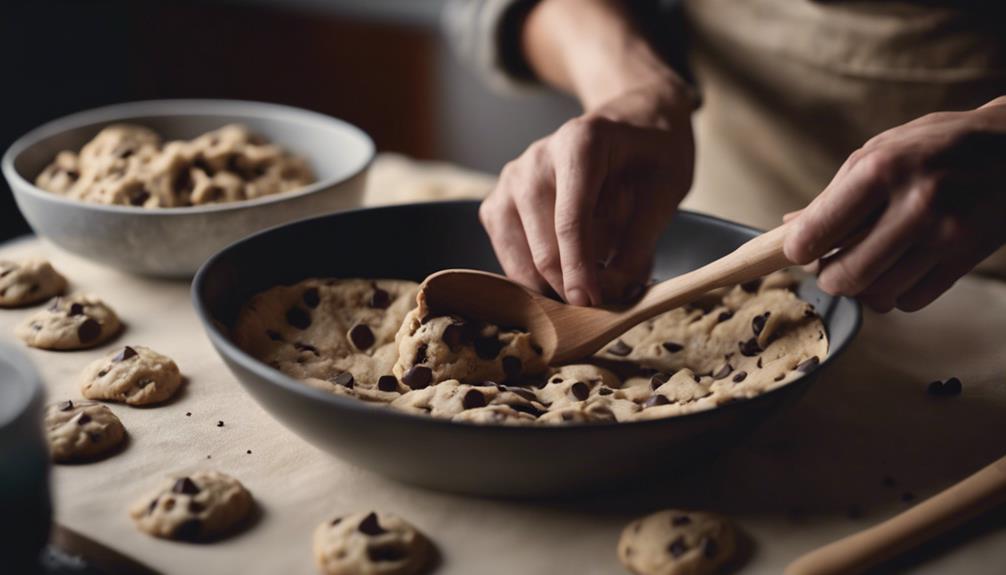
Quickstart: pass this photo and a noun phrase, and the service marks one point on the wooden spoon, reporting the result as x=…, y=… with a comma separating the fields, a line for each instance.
x=566, y=332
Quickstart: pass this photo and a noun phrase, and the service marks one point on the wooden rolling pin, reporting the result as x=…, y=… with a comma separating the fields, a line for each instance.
x=856, y=553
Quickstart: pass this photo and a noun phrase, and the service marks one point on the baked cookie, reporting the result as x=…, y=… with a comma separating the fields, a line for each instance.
x=674, y=542
x=135, y=375
x=28, y=282
x=71, y=322
x=202, y=506
x=435, y=349
x=81, y=430
x=370, y=544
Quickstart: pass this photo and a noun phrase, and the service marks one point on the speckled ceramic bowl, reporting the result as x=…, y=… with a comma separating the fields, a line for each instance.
x=173, y=242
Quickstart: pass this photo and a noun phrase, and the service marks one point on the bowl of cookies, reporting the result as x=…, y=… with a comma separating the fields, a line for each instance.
x=157, y=187
x=341, y=350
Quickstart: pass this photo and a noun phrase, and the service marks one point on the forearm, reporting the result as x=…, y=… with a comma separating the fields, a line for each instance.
x=591, y=49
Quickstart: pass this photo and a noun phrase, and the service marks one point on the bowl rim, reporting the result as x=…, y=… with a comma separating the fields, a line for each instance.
x=122, y=112
x=231, y=352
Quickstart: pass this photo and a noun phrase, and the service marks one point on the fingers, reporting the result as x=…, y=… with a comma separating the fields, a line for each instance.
x=882, y=296
x=534, y=197
x=499, y=217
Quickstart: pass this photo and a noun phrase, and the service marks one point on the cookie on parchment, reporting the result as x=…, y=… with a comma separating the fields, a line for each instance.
x=28, y=282
x=370, y=544
x=202, y=506
x=81, y=430
x=136, y=375
x=69, y=323
x=675, y=542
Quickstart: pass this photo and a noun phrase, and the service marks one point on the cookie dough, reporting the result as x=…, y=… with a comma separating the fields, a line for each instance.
x=202, y=506
x=732, y=344
x=71, y=322
x=135, y=375
x=127, y=164
x=371, y=543
x=81, y=430
x=675, y=542
x=28, y=282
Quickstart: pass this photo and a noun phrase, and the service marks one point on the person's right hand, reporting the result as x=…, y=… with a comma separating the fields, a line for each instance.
x=580, y=211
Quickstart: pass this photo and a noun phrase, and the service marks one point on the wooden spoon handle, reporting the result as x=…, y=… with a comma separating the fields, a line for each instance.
x=757, y=257
x=980, y=492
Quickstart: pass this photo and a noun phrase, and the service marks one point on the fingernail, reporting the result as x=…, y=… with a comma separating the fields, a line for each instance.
x=632, y=292
x=577, y=296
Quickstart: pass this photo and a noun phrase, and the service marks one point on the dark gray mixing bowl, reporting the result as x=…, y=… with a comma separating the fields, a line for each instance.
x=410, y=242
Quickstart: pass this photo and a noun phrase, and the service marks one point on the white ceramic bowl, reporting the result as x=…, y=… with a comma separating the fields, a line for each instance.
x=174, y=242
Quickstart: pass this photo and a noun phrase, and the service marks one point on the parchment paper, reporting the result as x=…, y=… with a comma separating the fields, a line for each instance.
x=812, y=475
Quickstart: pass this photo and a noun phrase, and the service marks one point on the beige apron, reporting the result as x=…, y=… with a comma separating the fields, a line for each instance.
x=792, y=87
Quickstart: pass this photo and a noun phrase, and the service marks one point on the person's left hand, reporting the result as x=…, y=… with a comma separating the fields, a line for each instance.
x=912, y=211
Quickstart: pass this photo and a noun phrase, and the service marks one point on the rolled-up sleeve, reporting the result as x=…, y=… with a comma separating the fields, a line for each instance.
x=486, y=35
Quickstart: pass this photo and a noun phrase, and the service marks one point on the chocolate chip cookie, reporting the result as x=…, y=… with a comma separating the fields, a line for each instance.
x=675, y=542
x=136, y=375
x=373, y=543
x=71, y=322
x=202, y=506
x=27, y=282
x=81, y=430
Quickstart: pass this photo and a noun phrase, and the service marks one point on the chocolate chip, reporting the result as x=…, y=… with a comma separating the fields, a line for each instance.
x=473, y=399
x=528, y=409
x=273, y=335
x=723, y=371
x=380, y=299
x=536, y=348
x=709, y=547
x=758, y=322
x=186, y=486
x=311, y=297
x=456, y=335
x=188, y=414
x=88, y=331
x=387, y=383
x=808, y=365
x=335, y=521
x=679, y=520
x=678, y=547
x=126, y=353
x=188, y=530
x=420, y=355
x=83, y=419
x=418, y=377
x=620, y=348
x=724, y=316
x=750, y=348
x=138, y=196
x=604, y=390
x=298, y=318
x=248, y=452
x=75, y=309
x=739, y=376
x=370, y=525
x=759, y=362
x=152, y=505
x=220, y=424
x=655, y=400
x=512, y=367
x=779, y=377
x=580, y=390
x=102, y=373
x=488, y=347
x=305, y=347
x=387, y=552
x=672, y=347
x=658, y=379
x=66, y=405
x=361, y=336
x=751, y=286
x=345, y=379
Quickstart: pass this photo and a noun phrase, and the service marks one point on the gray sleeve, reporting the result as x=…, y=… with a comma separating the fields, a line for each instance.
x=486, y=35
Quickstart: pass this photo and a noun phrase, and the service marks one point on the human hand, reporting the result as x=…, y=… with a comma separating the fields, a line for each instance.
x=580, y=211
x=912, y=211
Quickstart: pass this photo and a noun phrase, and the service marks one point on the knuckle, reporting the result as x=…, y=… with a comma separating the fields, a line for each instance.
x=567, y=227
x=878, y=165
x=546, y=260
x=840, y=279
x=920, y=202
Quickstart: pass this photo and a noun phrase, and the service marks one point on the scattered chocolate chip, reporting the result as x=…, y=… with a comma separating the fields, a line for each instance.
x=386, y=552
x=75, y=309
x=723, y=371
x=512, y=367
x=273, y=335
x=188, y=414
x=336, y=521
x=808, y=365
x=679, y=520
x=907, y=496
x=361, y=336
x=739, y=376
x=298, y=318
x=88, y=331
x=758, y=322
x=457, y=335
x=473, y=399
x=556, y=380
x=186, y=486
x=750, y=348
x=696, y=377
x=655, y=400
x=83, y=419
x=220, y=424
x=759, y=362
x=528, y=409
x=126, y=353
x=138, y=196
x=709, y=547
x=66, y=405
x=672, y=347
x=751, y=286
x=387, y=383
x=620, y=348
x=580, y=390
x=344, y=379
x=488, y=347
x=724, y=316
x=380, y=299
x=370, y=525
x=188, y=530
x=418, y=377
x=678, y=547
x=248, y=452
